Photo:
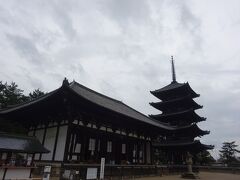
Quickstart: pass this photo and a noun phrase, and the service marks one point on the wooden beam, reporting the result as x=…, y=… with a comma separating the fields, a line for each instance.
x=56, y=140
x=44, y=136
x=67, y=143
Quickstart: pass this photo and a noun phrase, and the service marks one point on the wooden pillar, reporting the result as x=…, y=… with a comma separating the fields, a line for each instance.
x=71, y=150
x=136, y=151
x=145, y=151
x=152, y=153
x=128, y=147
x=84, y=145
x=84, y=134
x=56, y=140
x=141, y=152
x=44, y=137
x=65, y=158
x=34, y=130
x=103, y=149
x=98, y=144
x=114, y=146
x=95, y=151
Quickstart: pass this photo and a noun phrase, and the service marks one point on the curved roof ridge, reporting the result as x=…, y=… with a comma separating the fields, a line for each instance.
x=74, y=82
x=108, y=103
x=27, y=103
x=164, y=124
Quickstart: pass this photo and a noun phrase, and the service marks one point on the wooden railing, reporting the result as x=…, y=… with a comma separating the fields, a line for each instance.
x=222, y=169
x=115, y=171
x=133, y=171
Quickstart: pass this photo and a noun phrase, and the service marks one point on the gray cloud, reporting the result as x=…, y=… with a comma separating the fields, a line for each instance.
x=122, y=49
x=26, y=48
x=125, y=11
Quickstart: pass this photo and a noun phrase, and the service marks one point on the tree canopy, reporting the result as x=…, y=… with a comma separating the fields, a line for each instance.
x=10, y=95
x=35, y=94
x=204, y=158
x=228, y=152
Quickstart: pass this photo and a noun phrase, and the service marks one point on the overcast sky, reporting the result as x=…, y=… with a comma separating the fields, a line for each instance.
x=122, y=48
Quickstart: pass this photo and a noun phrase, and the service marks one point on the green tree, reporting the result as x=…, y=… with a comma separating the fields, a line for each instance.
x=2, y=98
x=10, y=94
x=35, y=94
x=204, y=158
x=228, y=152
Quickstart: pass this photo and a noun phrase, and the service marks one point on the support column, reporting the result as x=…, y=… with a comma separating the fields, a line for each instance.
x=65, y=158
x=44, y=136
x=56, y=140
x=152, y=153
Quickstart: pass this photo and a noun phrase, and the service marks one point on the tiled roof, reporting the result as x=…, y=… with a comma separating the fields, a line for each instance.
x=25, y=104
x=112, y=104
x=96, y=98
x=21, y=144
x=173, y=85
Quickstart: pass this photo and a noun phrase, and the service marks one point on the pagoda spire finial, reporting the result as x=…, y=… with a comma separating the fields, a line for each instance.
x=173, y=71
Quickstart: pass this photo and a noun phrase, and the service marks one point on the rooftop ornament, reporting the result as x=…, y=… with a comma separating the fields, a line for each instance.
x=65, y=82
x=173, y=71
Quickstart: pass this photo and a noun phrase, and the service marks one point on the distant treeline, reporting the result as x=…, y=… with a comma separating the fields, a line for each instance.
x=10, y=94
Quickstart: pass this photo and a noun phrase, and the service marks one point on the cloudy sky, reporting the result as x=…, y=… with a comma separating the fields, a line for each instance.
x=123, y=48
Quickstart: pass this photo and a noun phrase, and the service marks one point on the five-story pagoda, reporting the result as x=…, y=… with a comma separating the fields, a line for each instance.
x=178, y=111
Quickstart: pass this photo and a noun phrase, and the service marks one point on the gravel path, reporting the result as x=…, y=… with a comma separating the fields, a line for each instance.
x=202, y=175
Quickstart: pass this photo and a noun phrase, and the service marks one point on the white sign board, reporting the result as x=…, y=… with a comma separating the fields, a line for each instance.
x=66, y=174
x=102, y=168
x=46, y=173
x=91, y=173
x=47, y=169
x=29, y=161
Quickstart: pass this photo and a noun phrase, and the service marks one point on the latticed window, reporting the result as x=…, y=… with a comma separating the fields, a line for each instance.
x=123, y=148
x=109, y=146
x=99, y=145
x=78, y=148
x=91, y=146
x=134, y=153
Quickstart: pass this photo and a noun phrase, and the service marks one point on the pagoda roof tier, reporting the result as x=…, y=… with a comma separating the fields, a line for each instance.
x=179, y=145
x=191, y=130
x=189, y=115
x=80, y=94
x=185, y=101
x=174, y=90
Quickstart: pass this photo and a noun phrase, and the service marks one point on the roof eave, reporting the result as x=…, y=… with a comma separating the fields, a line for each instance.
x=28, y=103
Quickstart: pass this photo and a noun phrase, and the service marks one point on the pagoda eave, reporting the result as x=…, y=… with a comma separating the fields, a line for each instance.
x=196, y=145
x=162, y=106
x=200, y=119
x=180, y=115
x=174, y=87
x=190, y=130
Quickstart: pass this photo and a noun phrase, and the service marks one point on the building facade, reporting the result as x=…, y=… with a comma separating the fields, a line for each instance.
x=79, y=125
